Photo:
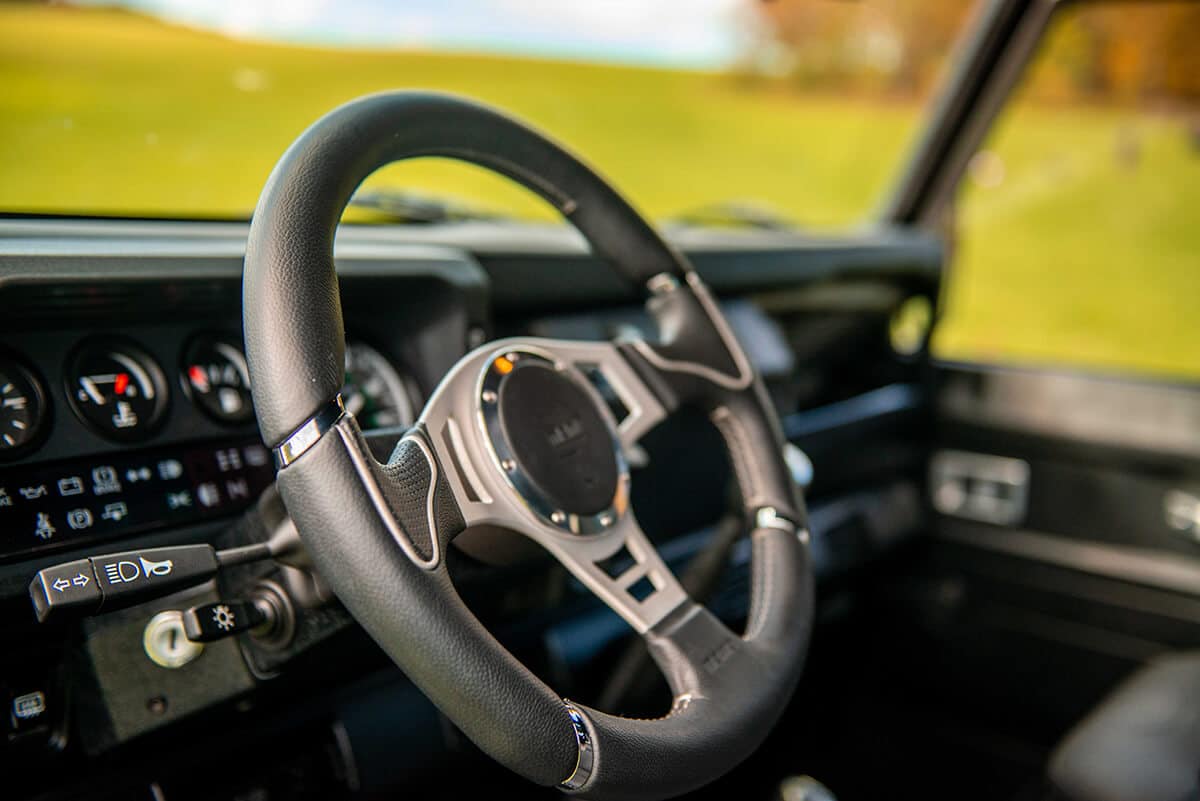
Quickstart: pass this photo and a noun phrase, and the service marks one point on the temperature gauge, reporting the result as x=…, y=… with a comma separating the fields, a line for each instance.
x=216, y=379
x=118, y=389
x=22, y=409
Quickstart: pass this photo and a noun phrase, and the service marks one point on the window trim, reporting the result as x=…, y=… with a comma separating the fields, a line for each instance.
x=1001, y=46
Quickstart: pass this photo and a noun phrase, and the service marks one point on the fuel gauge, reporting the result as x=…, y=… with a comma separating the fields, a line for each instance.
x=215, y=377
x=117, y=388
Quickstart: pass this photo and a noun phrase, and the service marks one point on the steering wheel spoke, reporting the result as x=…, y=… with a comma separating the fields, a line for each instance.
x=624, y=570
x=500, y=479
x=409, y=493
x=697, y=358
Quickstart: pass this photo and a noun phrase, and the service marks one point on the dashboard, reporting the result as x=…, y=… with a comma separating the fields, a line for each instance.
x=125, y=402
x=126, y=425
x=100, y=392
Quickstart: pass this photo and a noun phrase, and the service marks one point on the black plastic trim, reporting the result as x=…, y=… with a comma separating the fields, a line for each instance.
x=542, y=266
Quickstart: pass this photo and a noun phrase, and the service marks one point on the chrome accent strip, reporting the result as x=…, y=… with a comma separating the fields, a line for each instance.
x=769, y=517
x=586, y=761
x=1173, y=572
x=367, y=476
x=745, y=374
x=662, y=283
x=309, y=433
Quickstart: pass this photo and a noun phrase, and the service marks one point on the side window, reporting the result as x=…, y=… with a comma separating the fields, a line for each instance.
x=1079, y=220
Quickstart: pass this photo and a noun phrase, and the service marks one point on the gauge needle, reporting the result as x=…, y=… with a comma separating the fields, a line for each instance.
x=199, y=378
x=89, y=386
x=355, y=403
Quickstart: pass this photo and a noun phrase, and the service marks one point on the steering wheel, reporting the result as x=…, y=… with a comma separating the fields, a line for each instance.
x=516, y=435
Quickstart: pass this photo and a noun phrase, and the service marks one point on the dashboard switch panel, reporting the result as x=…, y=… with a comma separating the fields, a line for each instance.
x=81, y=501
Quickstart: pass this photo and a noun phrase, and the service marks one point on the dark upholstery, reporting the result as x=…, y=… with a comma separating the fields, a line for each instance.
x=1141, y=744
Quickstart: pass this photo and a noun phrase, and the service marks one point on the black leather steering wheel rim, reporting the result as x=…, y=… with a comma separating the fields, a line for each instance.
x=298, y=213
x=352, y=512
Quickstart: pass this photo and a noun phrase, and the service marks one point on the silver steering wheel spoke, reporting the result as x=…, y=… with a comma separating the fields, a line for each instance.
x=624, y=570
x=459, y=420
x=600, y=543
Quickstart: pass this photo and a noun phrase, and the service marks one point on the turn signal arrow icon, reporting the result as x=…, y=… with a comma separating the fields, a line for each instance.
x=64, y=583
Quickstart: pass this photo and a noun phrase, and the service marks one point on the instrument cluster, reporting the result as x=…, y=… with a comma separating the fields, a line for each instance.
x=169, y=464
x=120, y=392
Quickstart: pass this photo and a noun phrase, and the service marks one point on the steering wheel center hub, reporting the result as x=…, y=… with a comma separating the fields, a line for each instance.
x=554, y=442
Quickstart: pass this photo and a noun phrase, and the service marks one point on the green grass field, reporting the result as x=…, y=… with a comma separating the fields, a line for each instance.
x=1081, y=256
x=1073, y=259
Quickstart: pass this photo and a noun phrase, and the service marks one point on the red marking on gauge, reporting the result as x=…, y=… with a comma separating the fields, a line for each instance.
x=121, y=383
x=198, y=377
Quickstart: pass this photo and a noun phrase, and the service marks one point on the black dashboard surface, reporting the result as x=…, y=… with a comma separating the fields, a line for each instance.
x=420, y=297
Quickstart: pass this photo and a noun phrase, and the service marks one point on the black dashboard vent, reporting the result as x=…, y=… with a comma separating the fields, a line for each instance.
x=52, y=303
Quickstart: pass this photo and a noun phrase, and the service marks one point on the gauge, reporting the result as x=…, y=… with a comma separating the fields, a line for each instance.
x=374, y=392
x=216, y=379
x=117, y=388
x=22, y=409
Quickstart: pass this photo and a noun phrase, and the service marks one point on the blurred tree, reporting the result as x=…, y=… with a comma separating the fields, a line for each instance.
x=889, y=46
x=1124, y=52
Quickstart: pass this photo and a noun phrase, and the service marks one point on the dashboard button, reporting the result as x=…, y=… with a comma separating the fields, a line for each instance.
x=69, y=587
x=27, y=711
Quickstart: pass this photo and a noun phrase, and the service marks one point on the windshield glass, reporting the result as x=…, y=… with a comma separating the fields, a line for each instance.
x=705, y=111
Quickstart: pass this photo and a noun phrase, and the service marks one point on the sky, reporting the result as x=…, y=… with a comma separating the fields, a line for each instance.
x=679, y=33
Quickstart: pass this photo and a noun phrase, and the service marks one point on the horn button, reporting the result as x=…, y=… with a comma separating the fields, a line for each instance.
x=553, y=443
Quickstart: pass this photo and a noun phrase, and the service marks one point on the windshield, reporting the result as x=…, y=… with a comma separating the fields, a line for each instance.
x=705, y=111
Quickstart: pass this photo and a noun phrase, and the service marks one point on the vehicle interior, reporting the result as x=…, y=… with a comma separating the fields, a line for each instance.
x=512, y=400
